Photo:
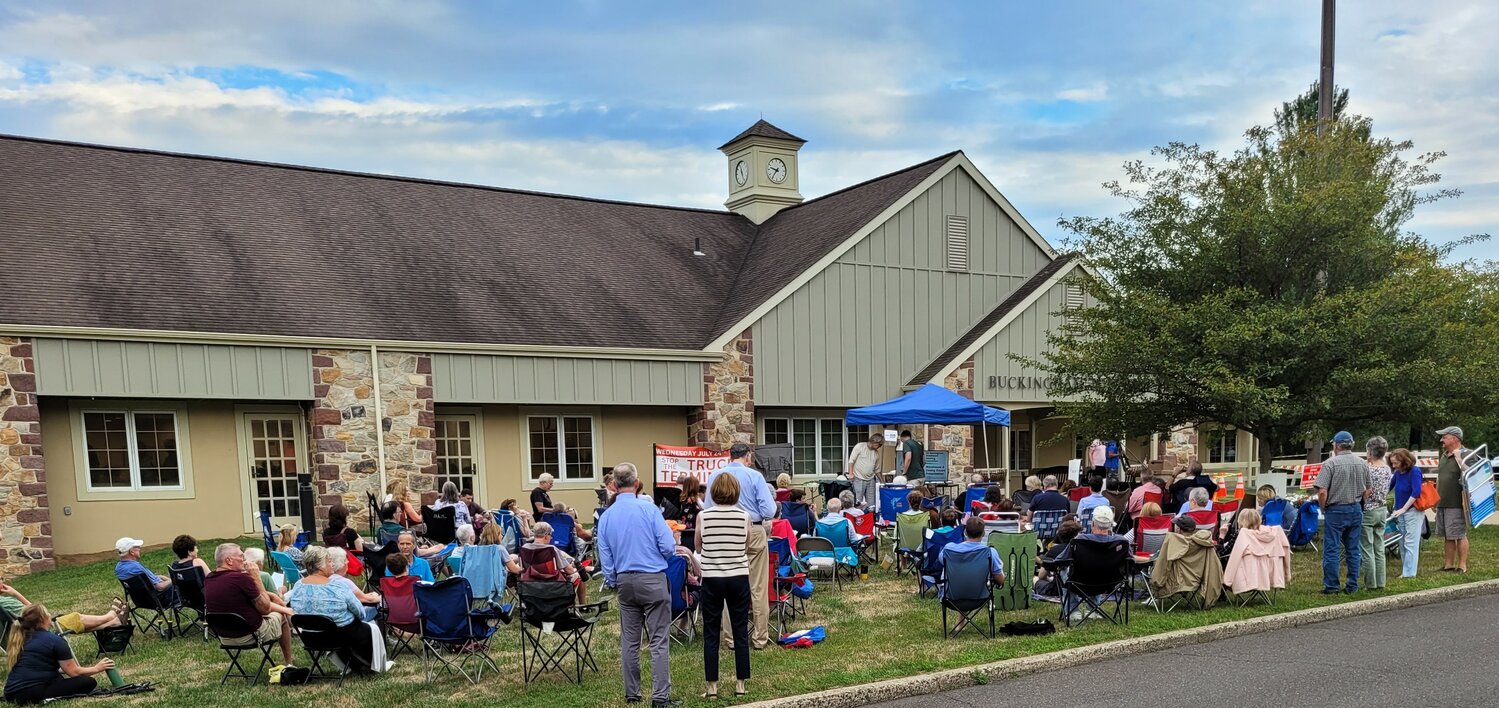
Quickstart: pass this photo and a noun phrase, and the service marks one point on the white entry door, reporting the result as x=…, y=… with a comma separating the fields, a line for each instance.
x=273, y=450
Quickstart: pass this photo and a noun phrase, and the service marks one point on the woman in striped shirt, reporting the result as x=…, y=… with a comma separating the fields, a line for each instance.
x=722, y=536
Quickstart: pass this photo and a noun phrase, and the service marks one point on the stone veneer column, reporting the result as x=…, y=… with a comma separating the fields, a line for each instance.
x=345, y=450
x=1180, y=448
x=957, y=440
x=25, y=523
x=728, y=412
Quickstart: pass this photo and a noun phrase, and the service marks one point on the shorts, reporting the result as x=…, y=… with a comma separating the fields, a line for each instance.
x=72, y=622
x=1451, y=524
x=270, y=631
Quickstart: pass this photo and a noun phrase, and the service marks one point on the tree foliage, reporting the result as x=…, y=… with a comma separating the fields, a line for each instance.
x=1273, y=289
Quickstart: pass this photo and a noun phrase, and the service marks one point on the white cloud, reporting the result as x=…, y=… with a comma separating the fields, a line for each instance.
x=716, y=107
x=8, y=72
x=1085, y=94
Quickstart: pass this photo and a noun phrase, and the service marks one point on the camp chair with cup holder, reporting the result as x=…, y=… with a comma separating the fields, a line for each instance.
x=398, y=618
x=442, y=524
x=188, y=580
x=288, y=567
x=967, y=590
x=1097, y=574
x=910, y=533
x=683, y=603
x=148, y=609
x=455, y=636
x=549, y=608
x=235, y=638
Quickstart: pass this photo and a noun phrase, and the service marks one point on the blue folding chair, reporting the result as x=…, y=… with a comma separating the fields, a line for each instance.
x=893, y=501
x=452, y=634
x=975, y=493
x=1046, y=524
x=1274, y=513
x=800, y=516
x=845, y=556
x=265, y=528
x=510, y=529
x=967, y=589
x=938, y=503
x=288, y=566
x=931, y=565
x=564, y=535
x=683, y=602
x=486, y=573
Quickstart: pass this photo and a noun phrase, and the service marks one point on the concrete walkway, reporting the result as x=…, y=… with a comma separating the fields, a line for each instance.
x=1431, y=655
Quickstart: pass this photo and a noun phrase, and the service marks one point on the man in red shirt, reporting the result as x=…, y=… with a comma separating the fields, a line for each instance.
x=231, y=590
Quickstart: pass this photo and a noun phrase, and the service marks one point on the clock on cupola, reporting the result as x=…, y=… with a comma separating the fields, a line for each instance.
x=762, y=171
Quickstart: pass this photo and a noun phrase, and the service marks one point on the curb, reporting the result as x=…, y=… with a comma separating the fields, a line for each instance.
x=964, y=677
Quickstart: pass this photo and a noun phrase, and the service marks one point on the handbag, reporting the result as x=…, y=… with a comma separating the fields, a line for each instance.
x=1429, y=497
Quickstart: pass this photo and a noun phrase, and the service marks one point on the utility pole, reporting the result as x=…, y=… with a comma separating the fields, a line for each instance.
x=1325, y=87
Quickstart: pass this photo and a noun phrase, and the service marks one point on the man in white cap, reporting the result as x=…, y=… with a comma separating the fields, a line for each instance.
x=129, y=565
x=1452, y=519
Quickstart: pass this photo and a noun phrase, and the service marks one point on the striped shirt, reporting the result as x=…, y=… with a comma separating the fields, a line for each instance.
x=723, y=532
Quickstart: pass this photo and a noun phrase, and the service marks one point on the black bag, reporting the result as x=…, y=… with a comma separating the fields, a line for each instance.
x=1023, y=629
x=291, y=676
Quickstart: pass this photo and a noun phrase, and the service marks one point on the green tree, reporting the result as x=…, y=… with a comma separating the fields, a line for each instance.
x=1301, y=112
x=1273, y=289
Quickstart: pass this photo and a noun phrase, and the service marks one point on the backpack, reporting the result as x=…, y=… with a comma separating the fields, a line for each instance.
x=1305, y=530
x=1022, y=629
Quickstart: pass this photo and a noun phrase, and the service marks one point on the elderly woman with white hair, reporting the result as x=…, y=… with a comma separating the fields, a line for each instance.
x=449, y=498
x=319, y=593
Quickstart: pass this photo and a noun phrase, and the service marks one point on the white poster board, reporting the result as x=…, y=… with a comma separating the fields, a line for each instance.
x=891, y=437
x=1075, y=471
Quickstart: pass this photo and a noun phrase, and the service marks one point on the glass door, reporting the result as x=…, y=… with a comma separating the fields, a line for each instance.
x=273, y=457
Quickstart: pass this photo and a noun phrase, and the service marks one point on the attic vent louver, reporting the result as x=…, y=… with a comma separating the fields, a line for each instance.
x=957, y=243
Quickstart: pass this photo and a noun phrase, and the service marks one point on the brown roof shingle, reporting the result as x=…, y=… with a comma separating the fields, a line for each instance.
x=124, y=238
x=764, y=129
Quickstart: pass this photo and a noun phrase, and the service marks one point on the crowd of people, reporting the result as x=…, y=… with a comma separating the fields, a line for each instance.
x=728, y=518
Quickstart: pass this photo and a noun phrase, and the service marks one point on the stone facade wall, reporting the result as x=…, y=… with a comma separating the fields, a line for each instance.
x=957, y=440
x=728, y=412
x=344, y=447
x=1178, y=448
x=25, y=522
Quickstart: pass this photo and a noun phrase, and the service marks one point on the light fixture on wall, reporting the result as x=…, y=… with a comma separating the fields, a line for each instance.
x=697, y=247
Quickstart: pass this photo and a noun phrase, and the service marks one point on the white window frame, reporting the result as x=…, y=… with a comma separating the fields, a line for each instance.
x=845, y=443
x=1207, y=449
x=475, y=416
x=84, y=480
x=596, y=423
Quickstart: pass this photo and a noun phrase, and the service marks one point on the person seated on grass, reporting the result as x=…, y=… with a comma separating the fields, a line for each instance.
x=286, y=542
x=185, y=547
x=129, y=565
x=835, y=515
x=13, y=603
x=339, y=534
x=415, y=564
x=392, y=523
x=318, y=594
x=562, y=567
x=1046, y=586
x=231, y=588
x=41, y=663
x=255, y=568
x=973, y=539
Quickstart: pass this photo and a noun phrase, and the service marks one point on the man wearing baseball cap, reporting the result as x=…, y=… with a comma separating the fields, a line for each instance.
x=1452, y=519
x=129, y=566
x=1340, y=491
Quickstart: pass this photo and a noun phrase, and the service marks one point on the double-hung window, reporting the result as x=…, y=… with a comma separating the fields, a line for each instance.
x=1222, y=445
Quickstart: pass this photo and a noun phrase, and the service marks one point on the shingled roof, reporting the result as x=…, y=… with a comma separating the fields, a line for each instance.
x=124, y=238
x=764, y=129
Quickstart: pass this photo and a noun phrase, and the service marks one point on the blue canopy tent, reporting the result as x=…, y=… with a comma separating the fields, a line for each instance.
x=930, y=405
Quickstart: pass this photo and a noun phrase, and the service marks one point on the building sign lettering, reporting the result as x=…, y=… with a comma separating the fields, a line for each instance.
x=1019, y=382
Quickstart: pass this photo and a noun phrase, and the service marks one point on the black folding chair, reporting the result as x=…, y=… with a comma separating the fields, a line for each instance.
x=373, y=503
x=189, y=583
x=235, y=638
x=442, y=524
x=374, y=564
x=147, y=608
x=968, y=589
x=550, y=607
x=320, y=637
x=112, y=640
x=1098, y=574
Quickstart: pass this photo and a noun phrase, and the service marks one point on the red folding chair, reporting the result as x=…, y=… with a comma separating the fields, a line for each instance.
x=1206, y=519
x=782, y=603
x=1152, y=497
x=863, y=524
x=1079, y=493
x=1150, y=526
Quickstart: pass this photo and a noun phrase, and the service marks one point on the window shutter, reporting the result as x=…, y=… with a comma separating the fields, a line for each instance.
x=957, y=243
x=1073, y=297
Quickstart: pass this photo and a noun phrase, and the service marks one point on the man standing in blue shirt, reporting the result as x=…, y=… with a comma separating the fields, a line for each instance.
x=1112, y=457
x=757, y=500
x=634, y=545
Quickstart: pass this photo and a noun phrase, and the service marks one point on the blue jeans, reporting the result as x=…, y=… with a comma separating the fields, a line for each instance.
x=1340, y=540
x=1410, y=546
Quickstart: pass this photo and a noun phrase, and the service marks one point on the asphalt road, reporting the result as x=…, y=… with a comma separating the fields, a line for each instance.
x=1434, y=655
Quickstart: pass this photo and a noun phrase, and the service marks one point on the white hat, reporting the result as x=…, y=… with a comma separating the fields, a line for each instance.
x=124, y=545
x=1103, y=514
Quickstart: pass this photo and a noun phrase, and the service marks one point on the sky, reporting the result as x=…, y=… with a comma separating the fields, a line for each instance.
x=629, y=100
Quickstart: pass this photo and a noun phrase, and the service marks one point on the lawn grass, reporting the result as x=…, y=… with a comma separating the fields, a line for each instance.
x=876, y=630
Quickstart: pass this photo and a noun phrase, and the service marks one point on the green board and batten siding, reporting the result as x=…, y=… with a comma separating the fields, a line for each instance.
x=482, y=378
x=1024, y=336
x=85, y=367
x=861, y=328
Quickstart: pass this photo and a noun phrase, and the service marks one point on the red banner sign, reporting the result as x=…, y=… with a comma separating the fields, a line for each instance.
x=675, y=462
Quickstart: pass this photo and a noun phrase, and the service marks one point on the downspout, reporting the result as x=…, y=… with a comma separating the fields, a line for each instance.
x=379, y=417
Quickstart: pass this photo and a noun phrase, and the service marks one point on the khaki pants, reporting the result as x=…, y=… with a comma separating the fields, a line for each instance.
x=759, y=579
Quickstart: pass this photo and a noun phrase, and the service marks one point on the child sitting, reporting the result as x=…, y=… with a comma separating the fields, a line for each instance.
x=1046, y=586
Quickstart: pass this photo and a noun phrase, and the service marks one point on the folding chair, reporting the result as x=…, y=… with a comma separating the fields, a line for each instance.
x=235, y=637
x=510, y=526
x=442, y=526
x=1151, y=497
x=455, y=565
x=683, y=604
x=974, y=493
x=147, y=610
x=487, y=575
x=831, y=488
x=1150, y=535
x=374, y=564
x=845, y=557
x=114, y=640
x=893, y=501
x=1097, y=574
x=1000, y=522
x=783, y=576
x=320, y=638
x=1274, y=512
x=967, y=589
x=549, y=607
x=398, y=617
x=930, y=576
x=288, y=567
x=1017, y=555
x=869, y=550
x=1046, y=524
x=265, y=529
x=910, y=533
x=189, y=583
x=1085, y=517
x=450, y=629
x=1079, y=493
x=800, y=516
x=564, y=533
x=1206, y=519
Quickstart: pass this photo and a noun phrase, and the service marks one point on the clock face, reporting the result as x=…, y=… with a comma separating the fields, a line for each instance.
x=741, y=172
x=776, y=170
